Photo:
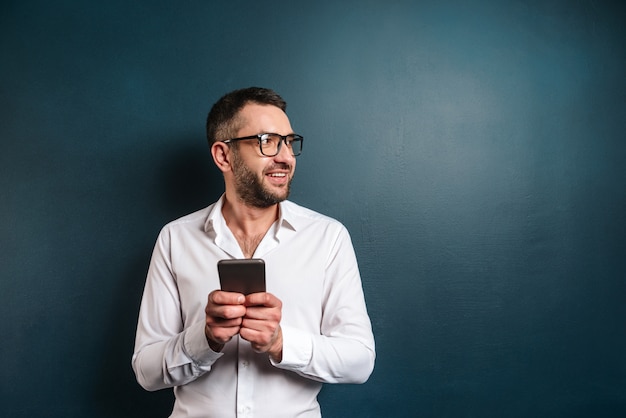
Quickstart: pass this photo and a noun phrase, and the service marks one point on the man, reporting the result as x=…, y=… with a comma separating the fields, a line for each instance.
x=265, y=354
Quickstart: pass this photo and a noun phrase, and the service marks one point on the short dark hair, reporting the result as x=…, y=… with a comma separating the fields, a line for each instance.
x=223, y=122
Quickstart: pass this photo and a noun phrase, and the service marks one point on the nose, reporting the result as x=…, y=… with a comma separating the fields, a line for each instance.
x=284, y=154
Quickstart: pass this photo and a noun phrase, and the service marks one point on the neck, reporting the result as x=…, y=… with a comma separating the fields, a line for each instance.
x=248, y=224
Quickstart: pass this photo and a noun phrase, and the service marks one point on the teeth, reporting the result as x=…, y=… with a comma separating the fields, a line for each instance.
x=277, y=175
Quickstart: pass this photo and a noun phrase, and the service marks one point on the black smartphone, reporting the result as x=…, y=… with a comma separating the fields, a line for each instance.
x=242, y=275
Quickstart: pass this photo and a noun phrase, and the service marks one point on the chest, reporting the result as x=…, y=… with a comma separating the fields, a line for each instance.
x=296, y=275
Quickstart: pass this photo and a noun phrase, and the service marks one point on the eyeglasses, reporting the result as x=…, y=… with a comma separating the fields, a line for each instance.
x=270, y=144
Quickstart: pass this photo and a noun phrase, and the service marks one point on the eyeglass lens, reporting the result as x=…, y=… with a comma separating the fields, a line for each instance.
x=271, y=143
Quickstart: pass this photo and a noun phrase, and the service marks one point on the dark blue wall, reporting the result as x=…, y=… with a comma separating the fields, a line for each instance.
x=476, y=153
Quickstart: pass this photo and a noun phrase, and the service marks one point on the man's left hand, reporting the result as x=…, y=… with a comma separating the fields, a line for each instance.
x=261, y=324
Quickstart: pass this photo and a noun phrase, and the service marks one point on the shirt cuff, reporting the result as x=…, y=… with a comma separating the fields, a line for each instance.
x=297, y=349
x=197, y=347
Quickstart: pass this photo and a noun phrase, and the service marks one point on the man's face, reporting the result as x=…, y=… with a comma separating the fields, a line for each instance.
x=262, y=181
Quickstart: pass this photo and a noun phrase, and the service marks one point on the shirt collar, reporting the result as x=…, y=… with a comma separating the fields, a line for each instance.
x=286, y=217
x=215, y=220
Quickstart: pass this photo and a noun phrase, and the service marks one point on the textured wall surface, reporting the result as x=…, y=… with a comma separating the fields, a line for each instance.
x=476, y=154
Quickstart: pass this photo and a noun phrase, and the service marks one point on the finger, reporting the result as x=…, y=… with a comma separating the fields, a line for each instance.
x=216, y=322
x=256, y=338
x=260, y=340
x=219, y=297
x=225, y=312
x=263, y=313
x=221, y=335
x=263, y=299
x=258, y=330
x=256, y=324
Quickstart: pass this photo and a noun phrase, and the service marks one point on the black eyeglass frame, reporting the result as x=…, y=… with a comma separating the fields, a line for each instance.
x=283, y=138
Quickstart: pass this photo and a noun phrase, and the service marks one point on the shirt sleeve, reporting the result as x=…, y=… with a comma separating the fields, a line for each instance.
x=344, y=351
x=165, y=354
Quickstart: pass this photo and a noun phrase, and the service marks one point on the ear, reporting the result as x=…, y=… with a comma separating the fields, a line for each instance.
x=221, y=156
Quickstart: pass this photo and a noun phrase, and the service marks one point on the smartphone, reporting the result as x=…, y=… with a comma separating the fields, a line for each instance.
x=242, y=275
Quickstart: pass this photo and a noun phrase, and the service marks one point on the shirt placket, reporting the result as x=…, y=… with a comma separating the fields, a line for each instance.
x=245, y=380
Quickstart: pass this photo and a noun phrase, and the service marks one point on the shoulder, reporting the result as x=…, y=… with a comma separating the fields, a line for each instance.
x=302, y=217
x=193, y=221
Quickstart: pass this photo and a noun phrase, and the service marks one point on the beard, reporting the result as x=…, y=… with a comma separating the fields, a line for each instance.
x=250, y=188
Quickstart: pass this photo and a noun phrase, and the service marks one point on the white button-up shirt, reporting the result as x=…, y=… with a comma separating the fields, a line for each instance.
x=327, y=336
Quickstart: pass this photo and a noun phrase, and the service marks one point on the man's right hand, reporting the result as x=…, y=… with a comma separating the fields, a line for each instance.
x=224, y=313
